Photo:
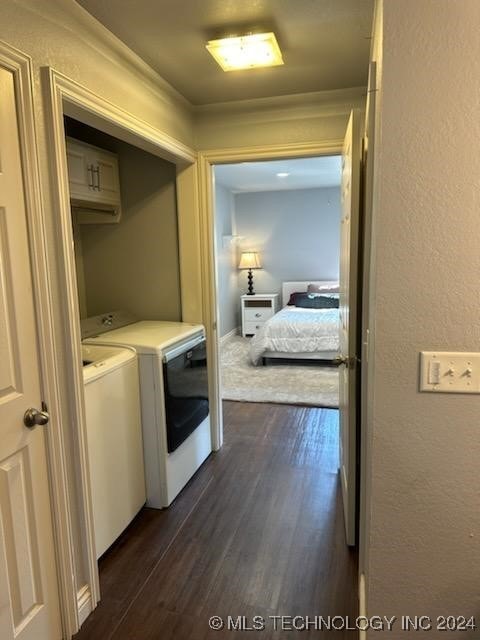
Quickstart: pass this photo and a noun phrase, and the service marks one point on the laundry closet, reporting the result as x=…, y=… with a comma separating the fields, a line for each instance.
x=128, y=260
x=145, y=373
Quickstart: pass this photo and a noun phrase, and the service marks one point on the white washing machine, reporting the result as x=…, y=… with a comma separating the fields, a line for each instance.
x=114, y=434
x=174, y=396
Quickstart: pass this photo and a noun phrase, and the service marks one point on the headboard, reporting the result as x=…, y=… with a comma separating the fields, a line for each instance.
x=290, y=287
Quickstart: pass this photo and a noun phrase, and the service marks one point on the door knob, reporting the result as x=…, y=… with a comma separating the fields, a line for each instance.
x=32, y=417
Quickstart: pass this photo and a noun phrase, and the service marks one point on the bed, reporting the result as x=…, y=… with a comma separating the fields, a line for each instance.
x=296, y=333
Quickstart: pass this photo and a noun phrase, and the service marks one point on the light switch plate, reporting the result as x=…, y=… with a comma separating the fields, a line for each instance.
x=449, y=372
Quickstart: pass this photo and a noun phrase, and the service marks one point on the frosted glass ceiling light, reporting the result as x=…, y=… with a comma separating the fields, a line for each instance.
x=246, y=52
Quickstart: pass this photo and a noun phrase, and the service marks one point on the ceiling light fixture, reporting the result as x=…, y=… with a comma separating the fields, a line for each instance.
x=246, y=52
x=283, y=174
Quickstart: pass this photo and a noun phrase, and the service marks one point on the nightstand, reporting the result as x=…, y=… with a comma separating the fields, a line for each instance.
x=256, y=310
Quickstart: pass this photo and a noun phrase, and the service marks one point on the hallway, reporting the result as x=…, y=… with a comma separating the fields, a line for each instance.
x=259, y=532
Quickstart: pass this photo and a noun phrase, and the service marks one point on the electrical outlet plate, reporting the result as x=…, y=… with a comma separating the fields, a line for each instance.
x=449, y=372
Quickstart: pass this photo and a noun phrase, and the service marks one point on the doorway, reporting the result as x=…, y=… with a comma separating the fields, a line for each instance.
x=277, y=240
x=66, y=98
x=349, y=298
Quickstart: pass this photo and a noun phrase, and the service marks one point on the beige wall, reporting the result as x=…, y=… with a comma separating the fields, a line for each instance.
x=59, y=33
x=424, y=509
x=313, y=117
x=134, y=265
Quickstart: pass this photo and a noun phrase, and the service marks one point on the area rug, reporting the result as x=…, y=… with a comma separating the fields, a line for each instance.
x=278, y=383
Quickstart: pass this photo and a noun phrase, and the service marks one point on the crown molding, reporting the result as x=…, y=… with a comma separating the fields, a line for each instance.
x=109, y=46
x=325, y=99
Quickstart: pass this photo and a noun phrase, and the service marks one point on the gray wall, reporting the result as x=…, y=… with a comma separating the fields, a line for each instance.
x=297, y=234
x=424, y=480
x=226, y=250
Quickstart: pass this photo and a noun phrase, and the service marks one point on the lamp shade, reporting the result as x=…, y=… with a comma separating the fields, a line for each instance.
x=249, y=260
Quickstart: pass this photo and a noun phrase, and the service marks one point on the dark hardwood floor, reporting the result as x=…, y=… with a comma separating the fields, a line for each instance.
x=258, y=531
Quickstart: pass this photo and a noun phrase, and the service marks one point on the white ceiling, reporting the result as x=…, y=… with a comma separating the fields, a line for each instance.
x=325, y=43
x=305, y=173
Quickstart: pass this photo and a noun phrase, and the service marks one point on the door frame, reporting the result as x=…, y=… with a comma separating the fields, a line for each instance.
x=63, y=96
x=21, y=67
x=206, y=161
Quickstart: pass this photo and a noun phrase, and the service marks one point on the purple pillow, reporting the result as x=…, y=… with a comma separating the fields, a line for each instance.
x=291, y=302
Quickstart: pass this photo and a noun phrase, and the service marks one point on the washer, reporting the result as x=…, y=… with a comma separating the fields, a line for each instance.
x=174, y=396
x=114, y=434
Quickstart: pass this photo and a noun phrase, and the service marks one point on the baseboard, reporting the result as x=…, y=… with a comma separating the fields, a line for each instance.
x=84, y=603
x=362, y=604
x=230, y=335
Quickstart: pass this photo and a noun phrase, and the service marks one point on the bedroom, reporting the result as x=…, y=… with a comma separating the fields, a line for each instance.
x=282, y=219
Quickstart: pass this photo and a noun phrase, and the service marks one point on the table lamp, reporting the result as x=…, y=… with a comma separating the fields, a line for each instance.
x=250, y=260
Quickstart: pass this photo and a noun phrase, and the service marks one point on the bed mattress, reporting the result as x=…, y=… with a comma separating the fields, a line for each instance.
x=296, y=330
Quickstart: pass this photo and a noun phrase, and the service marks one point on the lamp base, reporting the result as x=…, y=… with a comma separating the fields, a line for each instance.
x=250, y=291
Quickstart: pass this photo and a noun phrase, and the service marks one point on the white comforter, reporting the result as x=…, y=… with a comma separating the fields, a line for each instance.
x=295, y=330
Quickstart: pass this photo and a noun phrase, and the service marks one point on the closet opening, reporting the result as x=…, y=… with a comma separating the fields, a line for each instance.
x=121, y=213
x=125, y=240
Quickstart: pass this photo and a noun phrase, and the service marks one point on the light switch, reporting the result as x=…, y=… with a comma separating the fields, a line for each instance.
x=449, y=372
x=434, y=372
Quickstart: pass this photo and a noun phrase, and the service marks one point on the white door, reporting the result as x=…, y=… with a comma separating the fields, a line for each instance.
x=29, y=606
x=367, y=239
x=350, y=195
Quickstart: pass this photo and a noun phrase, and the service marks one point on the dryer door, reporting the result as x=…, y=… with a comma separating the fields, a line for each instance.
x=186, y=391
